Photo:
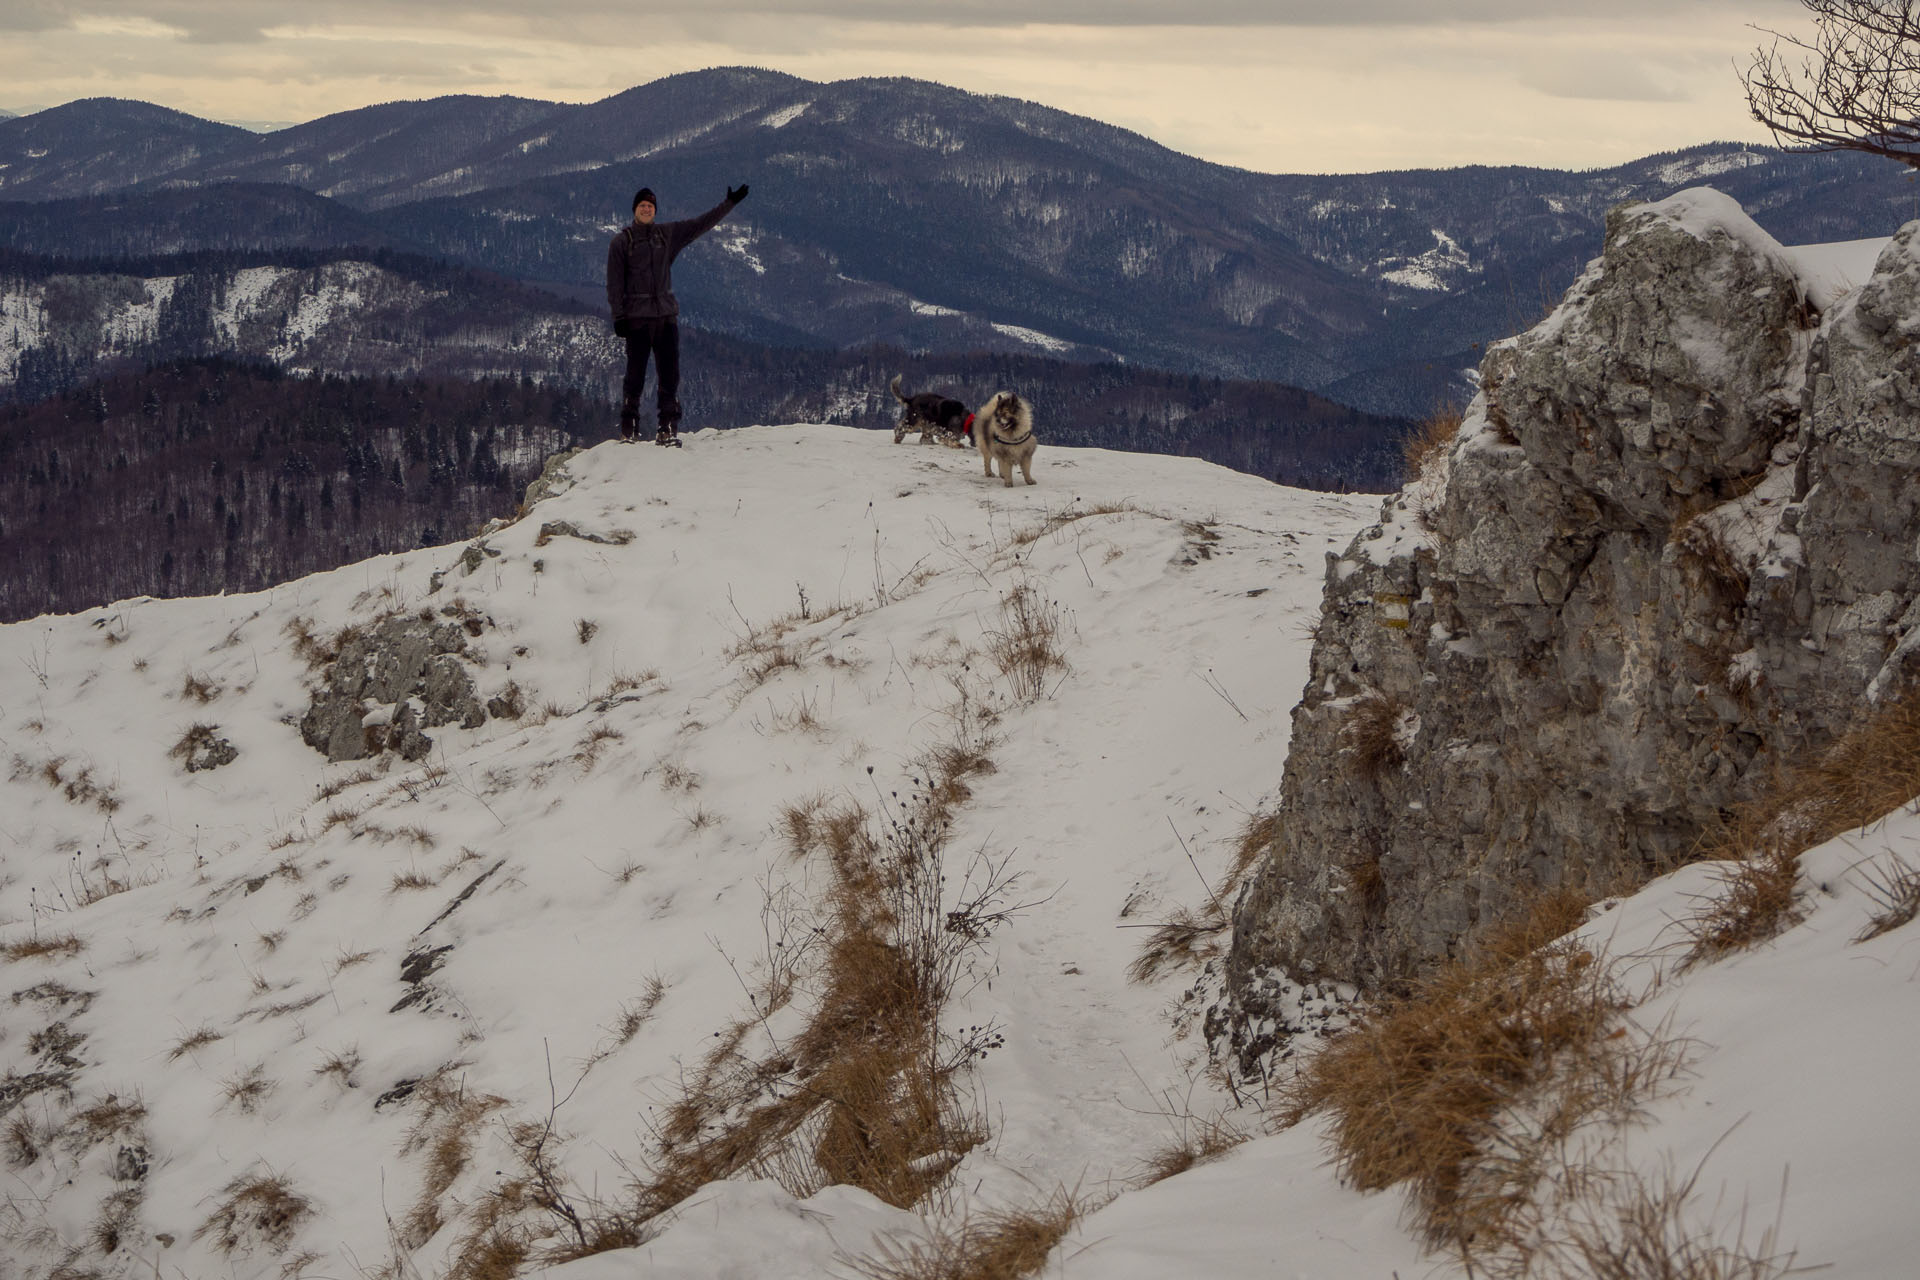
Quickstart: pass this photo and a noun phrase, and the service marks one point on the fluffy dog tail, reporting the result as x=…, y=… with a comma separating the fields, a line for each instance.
x=894, y=387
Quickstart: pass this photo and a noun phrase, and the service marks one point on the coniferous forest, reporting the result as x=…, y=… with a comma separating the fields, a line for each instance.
x=208, y=475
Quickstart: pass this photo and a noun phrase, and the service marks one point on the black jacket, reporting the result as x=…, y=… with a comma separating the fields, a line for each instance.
x=640, y=264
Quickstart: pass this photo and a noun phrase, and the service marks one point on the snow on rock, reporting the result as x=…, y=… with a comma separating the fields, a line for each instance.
x=1684, y=464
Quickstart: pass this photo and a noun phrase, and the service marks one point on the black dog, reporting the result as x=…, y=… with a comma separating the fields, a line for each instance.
x=935, y=417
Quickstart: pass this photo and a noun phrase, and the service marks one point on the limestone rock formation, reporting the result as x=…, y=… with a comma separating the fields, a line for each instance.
x=1672, y=545
x=388, y=684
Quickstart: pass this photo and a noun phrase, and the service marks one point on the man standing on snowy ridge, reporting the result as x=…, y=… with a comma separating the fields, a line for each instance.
x=645, y=312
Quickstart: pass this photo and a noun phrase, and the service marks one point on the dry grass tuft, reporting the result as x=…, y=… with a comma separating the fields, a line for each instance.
x=1529, y=1025
x=1866, y=775
x=1026, y=645
x=447, y=1122
x=195, y=687
x=1370, y=735
x=199, y=1038
x=1429, y=439
x=592, y=743
x=118, y=1222
x=1757, y=899
x=341, y=1067
x=111, y=1117
x=311, y=648
x=1186, y=939
x=1009, y=1244
x=1894, y=886
x=1198, y=1142
x=410, y=880
x=258, y=1209
x=54, y=946
x=1258, y=835
x=1635, y=1228
x=1055, y=521
x=247, y=1091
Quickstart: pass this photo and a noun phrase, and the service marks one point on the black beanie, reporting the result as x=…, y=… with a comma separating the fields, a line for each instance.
x=644, y=193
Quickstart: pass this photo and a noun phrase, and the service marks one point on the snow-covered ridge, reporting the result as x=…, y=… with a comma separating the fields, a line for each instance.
x=256, y=948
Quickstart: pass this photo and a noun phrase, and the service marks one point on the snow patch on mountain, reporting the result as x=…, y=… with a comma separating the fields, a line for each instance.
x=1033, y=337
x=786, y=115
x=1436, y=270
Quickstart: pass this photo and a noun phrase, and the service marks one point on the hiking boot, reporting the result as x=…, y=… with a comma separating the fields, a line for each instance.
x=630, y=420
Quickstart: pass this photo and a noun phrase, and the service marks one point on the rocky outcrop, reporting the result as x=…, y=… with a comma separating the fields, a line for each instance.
x=389, y=683
x=1672, y=545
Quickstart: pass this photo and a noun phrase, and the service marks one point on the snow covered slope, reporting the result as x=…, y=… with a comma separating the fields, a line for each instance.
x=231, y=999
x=259, y=964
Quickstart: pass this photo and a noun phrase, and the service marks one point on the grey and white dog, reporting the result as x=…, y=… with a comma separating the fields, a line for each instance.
x=1003, y=432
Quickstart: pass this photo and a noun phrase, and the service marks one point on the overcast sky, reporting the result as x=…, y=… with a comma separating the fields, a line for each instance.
x=1283, y=86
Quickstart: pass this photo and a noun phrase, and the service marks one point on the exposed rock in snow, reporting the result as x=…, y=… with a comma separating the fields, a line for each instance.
x=1671, y=547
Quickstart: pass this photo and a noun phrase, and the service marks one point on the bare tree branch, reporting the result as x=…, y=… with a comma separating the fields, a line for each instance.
x=1853, y=85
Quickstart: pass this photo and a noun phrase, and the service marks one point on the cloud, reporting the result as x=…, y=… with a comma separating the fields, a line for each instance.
x=1606, y=79
x=34, y=15
x=227, y=21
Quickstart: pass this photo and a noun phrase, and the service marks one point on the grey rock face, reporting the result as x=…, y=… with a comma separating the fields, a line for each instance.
x=389, y=683
x=1672, y=545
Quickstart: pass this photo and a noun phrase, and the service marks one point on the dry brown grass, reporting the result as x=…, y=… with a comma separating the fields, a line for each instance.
x=1008, y=1244
x=1259, y=834
x=1867, y=774
x=310, y=647
x=1369, y=737
x=1055, y=521
x=1190, y=936
x=118, y=1221
x=77, y=783
x=1026, y=646
x=865, y=1094
x=1186, y=939
x=195, y=687
x=199, y=1038
x=52, y=946
x=1635, y=1227
x=1894, y=886
x=341, y=1066
x=1755, y=900
x=411, y=880
x=111, y=1117
x=257, y=1209
x=628, y=681
x=592, y=744
x=1196, y=1142
x=1415, y=1095
x=1429, y=439
x=247, y=1091
x=447, y=1120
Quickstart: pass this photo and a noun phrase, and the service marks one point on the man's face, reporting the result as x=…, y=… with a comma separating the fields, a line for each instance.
x=643, y=212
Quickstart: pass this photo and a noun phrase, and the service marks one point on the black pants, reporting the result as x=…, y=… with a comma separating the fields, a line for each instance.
x=661, y=339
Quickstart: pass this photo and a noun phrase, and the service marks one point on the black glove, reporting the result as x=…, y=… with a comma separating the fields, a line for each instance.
x=620, y=326
x=736, y=194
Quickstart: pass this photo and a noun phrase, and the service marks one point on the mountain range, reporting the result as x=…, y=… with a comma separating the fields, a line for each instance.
x=894, y=210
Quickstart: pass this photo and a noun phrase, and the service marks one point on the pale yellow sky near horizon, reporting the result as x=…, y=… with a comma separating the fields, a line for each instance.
x=1545, y=84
